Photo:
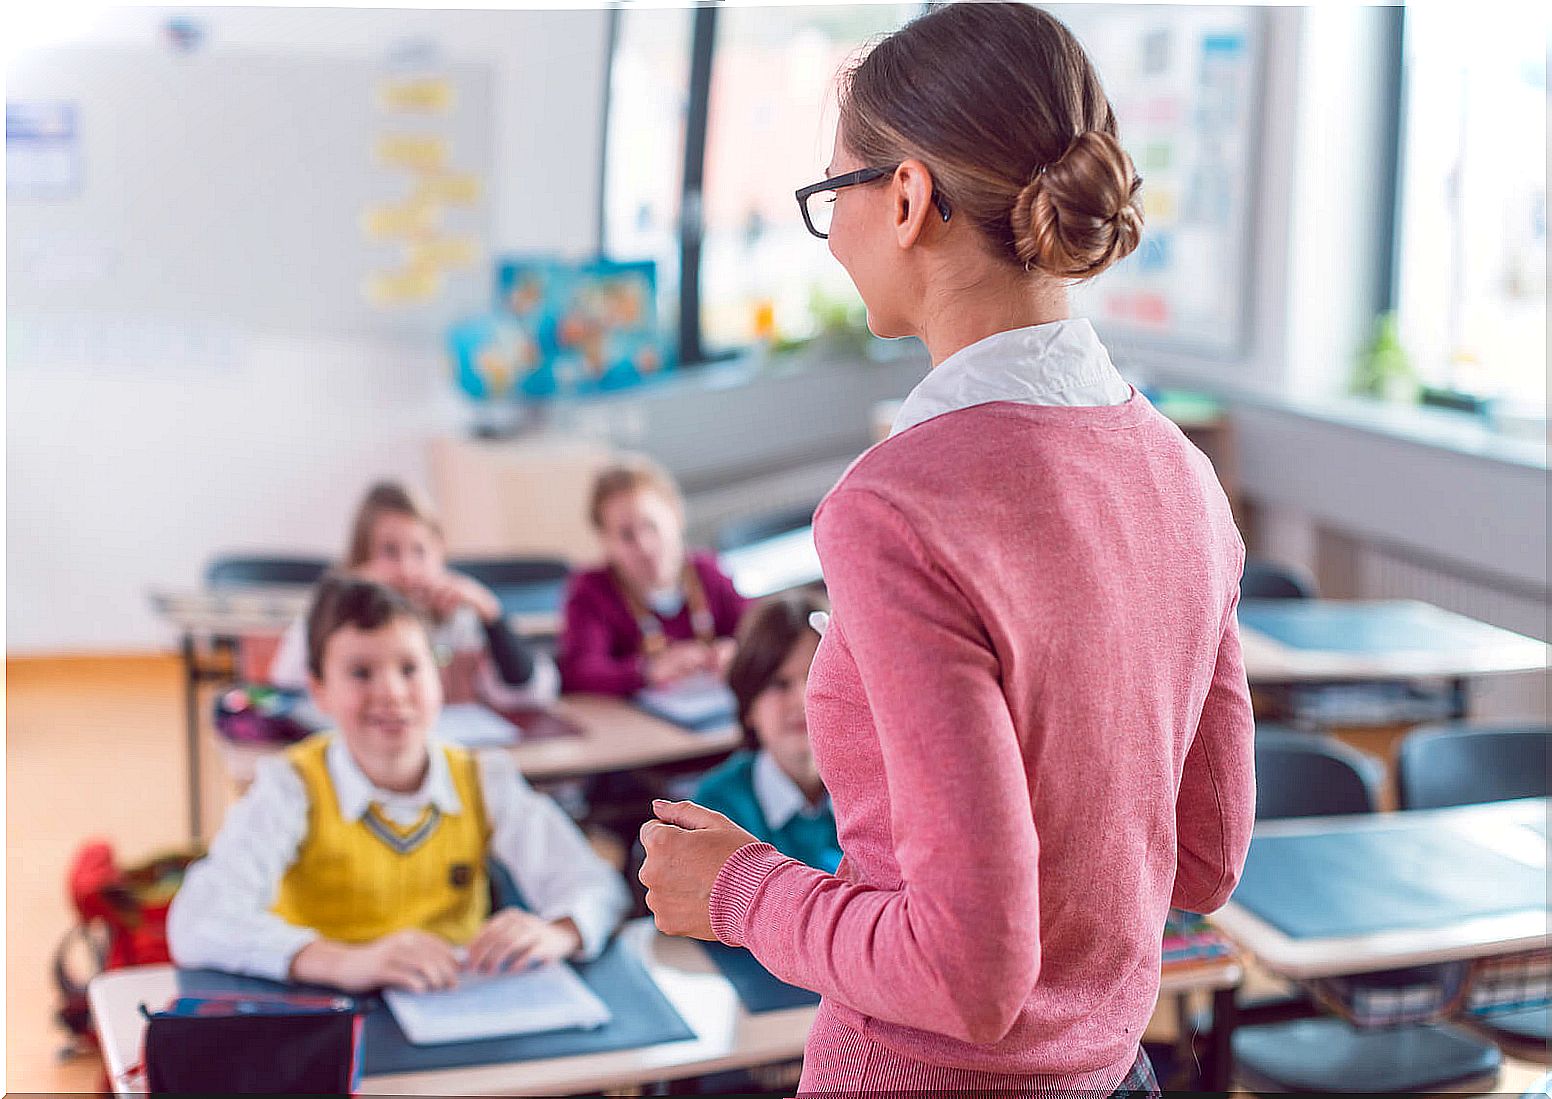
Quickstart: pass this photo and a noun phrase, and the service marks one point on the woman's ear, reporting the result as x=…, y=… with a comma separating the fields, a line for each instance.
x=912, y=191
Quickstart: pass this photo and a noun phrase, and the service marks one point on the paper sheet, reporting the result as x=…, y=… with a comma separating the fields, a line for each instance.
x=548, y=997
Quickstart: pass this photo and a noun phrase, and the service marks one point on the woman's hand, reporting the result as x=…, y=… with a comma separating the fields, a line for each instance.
x=513, y=940
x=413, y=960
x=686, y=848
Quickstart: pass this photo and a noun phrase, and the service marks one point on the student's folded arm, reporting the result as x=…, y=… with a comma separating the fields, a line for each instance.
x=512, y=657
x=585, y=657
x=221, y=916
x=549, y=858
x=542, y=686
x=1216, y=807
x=955, y=948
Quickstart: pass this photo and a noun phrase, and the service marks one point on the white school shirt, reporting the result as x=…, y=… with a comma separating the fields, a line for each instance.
x=780, y=799
x=461, y=633
x=1059, y=363
x=221, y=917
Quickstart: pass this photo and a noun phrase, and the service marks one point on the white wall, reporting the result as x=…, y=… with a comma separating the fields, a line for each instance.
x=132, y=467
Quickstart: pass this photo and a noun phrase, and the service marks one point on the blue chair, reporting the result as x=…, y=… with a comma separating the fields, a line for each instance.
x=524, y=585
x=1265, y=580
x=1466, y=763
x=1305, y=774
x=1311, y=775
x=236, y=571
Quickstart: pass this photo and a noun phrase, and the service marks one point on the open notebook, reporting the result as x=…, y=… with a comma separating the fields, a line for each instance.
x=547, y=997
x=475, y=726
x=696, y=702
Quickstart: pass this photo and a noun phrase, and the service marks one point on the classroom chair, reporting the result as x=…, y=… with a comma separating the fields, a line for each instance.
x=524, y=585
x=754, y=528
x=1302, y=774
x=1310, y=775
x=1464, y=763
x=1264, y=579
x=236, y=571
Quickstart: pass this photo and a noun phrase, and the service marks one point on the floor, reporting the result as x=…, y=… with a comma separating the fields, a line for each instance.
x=94, y=748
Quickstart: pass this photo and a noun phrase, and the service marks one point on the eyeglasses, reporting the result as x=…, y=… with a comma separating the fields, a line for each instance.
x=816, y=199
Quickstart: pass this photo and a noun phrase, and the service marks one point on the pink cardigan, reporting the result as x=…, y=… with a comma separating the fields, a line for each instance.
x=1031, y=713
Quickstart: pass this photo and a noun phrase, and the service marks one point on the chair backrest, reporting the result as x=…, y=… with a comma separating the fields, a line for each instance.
x=522, y=584
x=1311, y=775
x=1267, y=580
x=1465, y=763
x=754, y=528
x=235, y=571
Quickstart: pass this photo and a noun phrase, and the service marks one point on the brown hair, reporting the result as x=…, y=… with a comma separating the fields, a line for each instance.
x=343, y=600
x=1003, y=106
x=765, y=637
x=385, y=498
x=631, y=474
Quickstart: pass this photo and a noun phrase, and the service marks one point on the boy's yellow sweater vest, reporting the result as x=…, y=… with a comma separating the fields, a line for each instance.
x=355, y=881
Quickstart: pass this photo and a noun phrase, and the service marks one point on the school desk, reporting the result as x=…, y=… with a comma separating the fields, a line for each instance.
x=727, y=1037
x=211, y=622
x=1327, y=896
x=612, y=735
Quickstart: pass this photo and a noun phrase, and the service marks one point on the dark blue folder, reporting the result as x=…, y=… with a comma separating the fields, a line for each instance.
x=642, y=1016
x=756, y=987
x=1335, y=885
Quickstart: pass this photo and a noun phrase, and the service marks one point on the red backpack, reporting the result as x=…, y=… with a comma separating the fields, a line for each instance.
x=122, y=920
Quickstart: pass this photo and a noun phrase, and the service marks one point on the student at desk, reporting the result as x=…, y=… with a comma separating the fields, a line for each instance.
x=773, y=788
x=358, y=858
x=653, y=613
x=396, y=540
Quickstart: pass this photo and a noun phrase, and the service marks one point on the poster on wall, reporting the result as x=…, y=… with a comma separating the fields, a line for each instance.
x=1185, y=83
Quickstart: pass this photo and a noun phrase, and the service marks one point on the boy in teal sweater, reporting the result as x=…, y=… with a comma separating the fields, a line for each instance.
x=772, y=789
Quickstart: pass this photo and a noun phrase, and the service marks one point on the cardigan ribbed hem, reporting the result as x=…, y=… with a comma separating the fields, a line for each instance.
x=734, y=891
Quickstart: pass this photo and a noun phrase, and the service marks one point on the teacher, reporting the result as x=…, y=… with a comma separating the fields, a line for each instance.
x=1029, y=707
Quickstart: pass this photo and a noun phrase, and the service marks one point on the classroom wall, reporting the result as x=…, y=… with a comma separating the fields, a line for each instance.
x=133, y=457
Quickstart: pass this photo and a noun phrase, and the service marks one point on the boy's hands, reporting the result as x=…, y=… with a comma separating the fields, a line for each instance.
x=513, y=940
x=412, y=960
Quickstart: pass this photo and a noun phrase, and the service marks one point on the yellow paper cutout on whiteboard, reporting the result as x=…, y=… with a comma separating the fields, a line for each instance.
x=440, y=253
x=417, y=152
x=1159, y=205
x=390, y=288
x=400, y=220
x=429, y=94
x=453, y=188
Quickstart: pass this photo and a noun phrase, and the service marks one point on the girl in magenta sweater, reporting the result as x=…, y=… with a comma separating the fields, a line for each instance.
x=1029, y=707
x=654, y=613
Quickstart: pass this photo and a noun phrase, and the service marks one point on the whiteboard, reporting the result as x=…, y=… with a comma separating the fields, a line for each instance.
x=229, y=189
x=1186, y=84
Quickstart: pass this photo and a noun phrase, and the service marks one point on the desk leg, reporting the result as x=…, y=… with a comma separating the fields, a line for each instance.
x=1459, y=700
x=191, y=731
x=1220, y=1060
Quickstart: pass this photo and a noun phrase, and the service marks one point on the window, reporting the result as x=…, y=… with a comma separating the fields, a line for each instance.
x=1472, y=242
x=649, y=102
x=733, y=107
x=770, y=127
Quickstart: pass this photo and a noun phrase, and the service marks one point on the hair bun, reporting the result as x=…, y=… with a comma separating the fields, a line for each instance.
x=1079, y=214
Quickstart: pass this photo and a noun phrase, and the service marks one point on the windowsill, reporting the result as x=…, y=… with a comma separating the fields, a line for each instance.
x=1444, y=429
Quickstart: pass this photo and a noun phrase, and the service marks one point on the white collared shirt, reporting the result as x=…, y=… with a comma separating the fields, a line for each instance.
x=779, y=797
x=222, y=918
x=1060, y=363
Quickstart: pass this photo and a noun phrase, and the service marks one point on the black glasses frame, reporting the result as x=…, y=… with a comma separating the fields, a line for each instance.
x=851, y=179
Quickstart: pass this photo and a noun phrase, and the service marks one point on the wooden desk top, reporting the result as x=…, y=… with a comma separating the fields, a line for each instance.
x=270, y=609
x=1504, y=827
x=616, y=736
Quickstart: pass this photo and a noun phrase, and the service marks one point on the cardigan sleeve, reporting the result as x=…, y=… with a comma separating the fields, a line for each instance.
x=955, y=947
x=1216, y=808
